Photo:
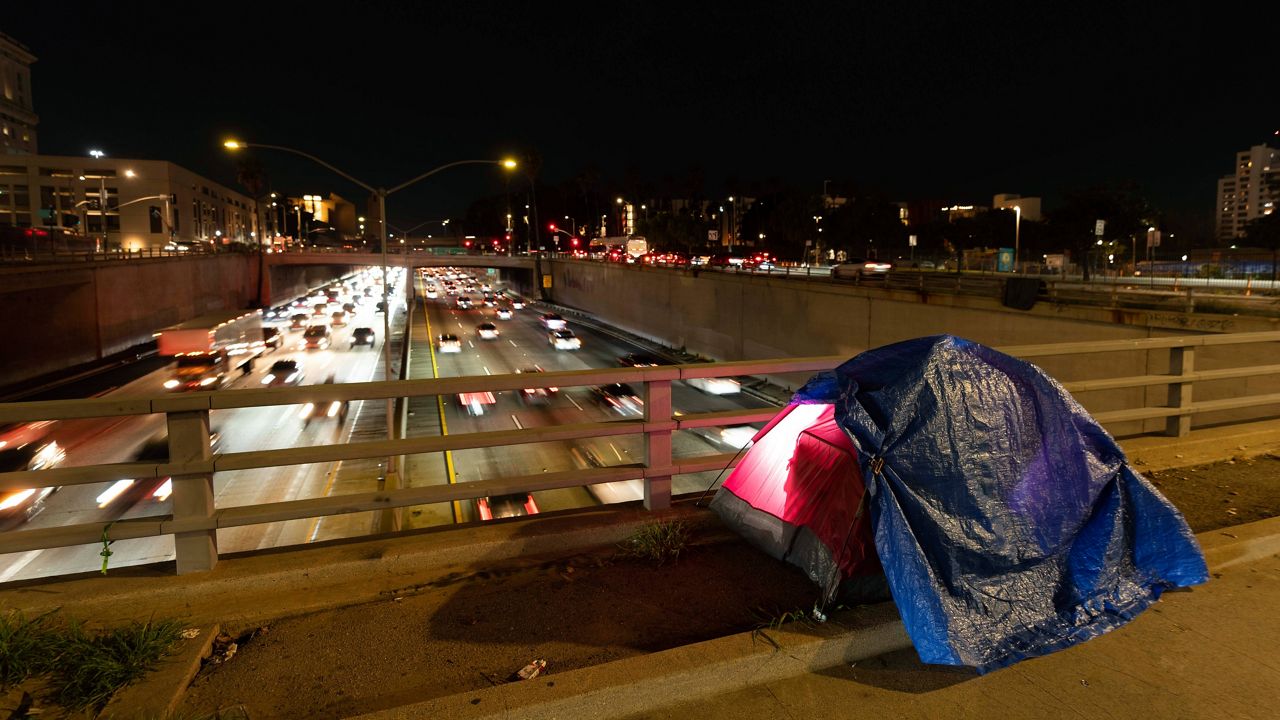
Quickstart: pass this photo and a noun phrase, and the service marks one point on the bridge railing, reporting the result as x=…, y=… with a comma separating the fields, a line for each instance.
x=196, y=518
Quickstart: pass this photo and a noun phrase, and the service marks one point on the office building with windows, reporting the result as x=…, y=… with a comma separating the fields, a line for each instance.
x=18, y=117
x=122, y=203
x=1252, y=191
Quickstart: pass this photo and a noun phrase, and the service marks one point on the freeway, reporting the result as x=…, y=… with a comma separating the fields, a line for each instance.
x=120, y=439
x=521, y=343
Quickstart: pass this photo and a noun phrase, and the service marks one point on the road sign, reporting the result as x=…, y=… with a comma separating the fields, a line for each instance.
x=1098, y=227
x=1153, y=238
x=911, y=240
x=713, y=236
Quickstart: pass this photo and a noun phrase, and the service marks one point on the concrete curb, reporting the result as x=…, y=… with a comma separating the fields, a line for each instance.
x=159, y=694
x=625, y=687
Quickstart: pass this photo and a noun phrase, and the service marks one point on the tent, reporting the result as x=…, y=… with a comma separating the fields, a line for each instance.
x=798, y=496
x=1007, y=521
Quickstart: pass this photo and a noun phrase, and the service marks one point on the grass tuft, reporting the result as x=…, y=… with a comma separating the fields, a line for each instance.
x=657, y=542
x=91, y=666
x=26, y=647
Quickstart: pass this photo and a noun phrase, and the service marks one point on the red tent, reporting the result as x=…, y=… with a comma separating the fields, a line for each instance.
x=798, y=495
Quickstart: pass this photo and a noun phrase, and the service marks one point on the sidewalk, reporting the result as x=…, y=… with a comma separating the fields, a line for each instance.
x=1209, y=652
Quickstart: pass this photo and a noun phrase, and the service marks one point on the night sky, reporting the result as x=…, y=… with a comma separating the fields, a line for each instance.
x=922, y=101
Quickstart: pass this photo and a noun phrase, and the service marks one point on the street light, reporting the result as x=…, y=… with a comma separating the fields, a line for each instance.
x=1017, y=234
x=382, y=194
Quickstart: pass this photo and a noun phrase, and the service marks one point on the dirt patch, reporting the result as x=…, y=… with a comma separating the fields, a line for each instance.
x=1226, y=493
x=467, y=632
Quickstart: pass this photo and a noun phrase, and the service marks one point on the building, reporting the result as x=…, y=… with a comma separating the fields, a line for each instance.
x=18, y=117
x=148, y=202
x=1030, y=206
x=332, y=216
x=1248, y=194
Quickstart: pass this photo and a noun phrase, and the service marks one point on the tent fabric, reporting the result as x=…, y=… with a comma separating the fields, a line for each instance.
x=797, y=495
x=1008, y=522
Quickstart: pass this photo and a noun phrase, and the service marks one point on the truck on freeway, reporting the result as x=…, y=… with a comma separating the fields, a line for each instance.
x=207, y=349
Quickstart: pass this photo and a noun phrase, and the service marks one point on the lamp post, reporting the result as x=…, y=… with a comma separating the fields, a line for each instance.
x=1017, y=235
x=390, y=521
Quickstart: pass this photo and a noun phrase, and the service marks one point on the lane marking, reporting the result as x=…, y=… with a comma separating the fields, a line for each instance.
x=513, y=343
x=615, y=451
x=471, y=345
x=516, y=420
x=575, y=403
x=444, y=426
x=486, y=370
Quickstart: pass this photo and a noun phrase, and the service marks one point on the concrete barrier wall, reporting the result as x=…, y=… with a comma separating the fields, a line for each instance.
x=730, y=317
x=63, y=316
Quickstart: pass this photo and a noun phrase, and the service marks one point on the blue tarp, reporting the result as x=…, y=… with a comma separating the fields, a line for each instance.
x=1008, y=521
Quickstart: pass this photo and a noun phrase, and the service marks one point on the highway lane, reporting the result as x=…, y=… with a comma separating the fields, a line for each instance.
x=523, y=343
x=117, y=440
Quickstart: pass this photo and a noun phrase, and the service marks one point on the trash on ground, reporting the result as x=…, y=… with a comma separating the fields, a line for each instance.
x=191, y=633
x=530, y=671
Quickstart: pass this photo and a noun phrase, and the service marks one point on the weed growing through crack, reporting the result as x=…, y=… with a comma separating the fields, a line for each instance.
x=775, y=621
x=84, y=668
x=657, y=542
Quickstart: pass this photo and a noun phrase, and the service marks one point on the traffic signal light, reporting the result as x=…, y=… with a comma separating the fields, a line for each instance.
x=573, y=242
x=466, y=243
x=551, y=227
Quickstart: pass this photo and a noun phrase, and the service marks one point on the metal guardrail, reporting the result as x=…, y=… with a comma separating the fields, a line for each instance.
x=191, y=465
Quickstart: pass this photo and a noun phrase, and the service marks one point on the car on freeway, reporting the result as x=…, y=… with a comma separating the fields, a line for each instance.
x=539, y=394
x=487, y=331
x=489, y=301
x=496, y=507
x=298, y=322
x=737, y=436
x=504, y=313
x=320, y=308
x=338, y=319
x=348, y=307
x=448, y=343
x=363, y=336
x=715, y=385
x=641, y=360
x=283, y=372
x=432, y=293
x=859, y=268
x=271, y=337
x=564, y=340
x=486, y=287
x=552, y=321
x=476, y=402
x=517, y=303
x=324, y=408
x=316, y=337
x=127, y=492
x=19, y=505
x=464, y=302
x=619, y=397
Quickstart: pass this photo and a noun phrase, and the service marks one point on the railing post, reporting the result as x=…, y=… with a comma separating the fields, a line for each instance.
x=196, y=551
x=1182, y=361
x=657, y=444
